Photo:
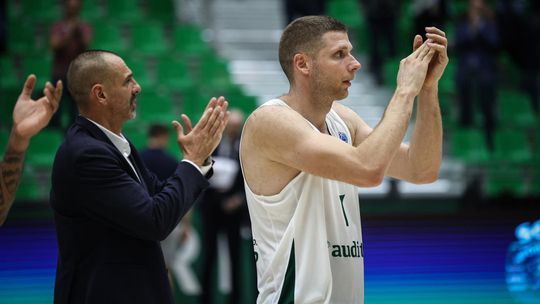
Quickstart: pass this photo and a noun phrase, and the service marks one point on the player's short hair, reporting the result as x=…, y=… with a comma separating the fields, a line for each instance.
x=86, y=70
x=303, y=35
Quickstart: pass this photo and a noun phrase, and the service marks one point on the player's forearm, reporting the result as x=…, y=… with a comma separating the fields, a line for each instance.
x=10, y=174
x=382, y=144
x=425, y=151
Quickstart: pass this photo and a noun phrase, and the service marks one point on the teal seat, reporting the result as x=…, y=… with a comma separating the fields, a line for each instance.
x=141, y=73
x=108, y=37
x=469, y=145
x=155, y=108
x=193, y=103
x=41, y=67
x=91, y=10
x=188, y=40
x=21, y=38
x=137, y=138
x=174, y=74
x=346, y=11
x=162, y=10
x=4, y=138
x=124, y=11
x=391, y=68
x=511, y=146
x=29, y=188
x=8, y=77
x=447, y=84
x=43, y=148
x=515, y=110
x=41, y=11
x=214, y=73
x=148, y=39
x=505, y=181
x=7, y=102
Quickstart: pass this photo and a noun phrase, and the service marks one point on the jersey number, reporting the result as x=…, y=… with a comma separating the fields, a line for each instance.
x=341, y=198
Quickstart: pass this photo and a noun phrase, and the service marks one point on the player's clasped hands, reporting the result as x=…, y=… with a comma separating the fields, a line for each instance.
x=425, y=65
x=197, y=143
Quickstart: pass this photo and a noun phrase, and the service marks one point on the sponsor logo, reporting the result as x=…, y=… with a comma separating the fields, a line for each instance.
x=354, y=250
x=343, y=136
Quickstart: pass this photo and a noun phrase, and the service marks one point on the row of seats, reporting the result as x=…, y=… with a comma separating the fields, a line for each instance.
x=125, y=11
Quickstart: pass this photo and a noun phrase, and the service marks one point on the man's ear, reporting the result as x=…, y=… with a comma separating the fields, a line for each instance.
x=302, y=63
x=98, y=93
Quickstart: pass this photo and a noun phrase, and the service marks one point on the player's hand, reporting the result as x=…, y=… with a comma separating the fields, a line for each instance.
x=413, y=69
x=30, y=116
x=198, y=143
x=437, y=41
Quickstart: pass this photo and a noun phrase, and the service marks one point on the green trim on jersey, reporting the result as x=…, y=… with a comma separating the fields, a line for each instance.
x=287, y=291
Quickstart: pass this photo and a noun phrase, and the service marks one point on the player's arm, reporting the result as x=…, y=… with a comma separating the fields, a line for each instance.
x=420, y=162
x=400, y=167
x=283, y=136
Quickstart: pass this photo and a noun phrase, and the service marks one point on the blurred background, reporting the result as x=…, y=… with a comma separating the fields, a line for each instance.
x=471, y=237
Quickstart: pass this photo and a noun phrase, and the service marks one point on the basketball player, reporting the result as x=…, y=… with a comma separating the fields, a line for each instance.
x=303, y=155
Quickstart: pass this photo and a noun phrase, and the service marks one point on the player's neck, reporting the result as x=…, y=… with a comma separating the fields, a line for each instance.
x=312, y=108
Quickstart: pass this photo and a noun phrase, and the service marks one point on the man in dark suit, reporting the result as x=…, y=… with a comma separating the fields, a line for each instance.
x=110, y=211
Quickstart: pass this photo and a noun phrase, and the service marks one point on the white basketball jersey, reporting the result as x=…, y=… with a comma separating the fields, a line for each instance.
x=308, y=238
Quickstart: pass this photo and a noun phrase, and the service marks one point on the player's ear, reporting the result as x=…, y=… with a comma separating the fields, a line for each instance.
x=301, y=63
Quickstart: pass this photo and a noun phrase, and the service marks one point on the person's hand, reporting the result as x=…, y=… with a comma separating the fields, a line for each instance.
x=198, y=143
x=30, y=116
x=412, y=70
x=437, y=41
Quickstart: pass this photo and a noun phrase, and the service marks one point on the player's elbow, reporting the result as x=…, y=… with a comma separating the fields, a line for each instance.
x=426, y=177
x=373, y=177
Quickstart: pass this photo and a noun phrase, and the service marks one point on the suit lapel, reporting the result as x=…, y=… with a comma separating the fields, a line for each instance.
x=96, y=132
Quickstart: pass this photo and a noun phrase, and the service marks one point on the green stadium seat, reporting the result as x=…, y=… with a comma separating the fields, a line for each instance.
x=137, y=138
x=511, y=146
x=21, y=38
x=29, y=188
x=346, y=11
x=148, y=39
x=515, y=110
x=391, y=68
x=43, y=148
x=188, y=40
x=8, y=77
x=41, y=11
x=469, y=145
x=7, y=102
x=174, y=74
x=162, y=10
x=505, y=181
x=155, y=108
x=4, y=137
x=108, y=37
x=91, y=10
x=141, y=73
x=238, y=99
x=41, y=67
x=447, y=84
x=124, y=11
x=193, y=103
x=214, y=73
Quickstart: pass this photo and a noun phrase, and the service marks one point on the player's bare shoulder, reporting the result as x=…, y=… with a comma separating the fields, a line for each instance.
x=271, y=123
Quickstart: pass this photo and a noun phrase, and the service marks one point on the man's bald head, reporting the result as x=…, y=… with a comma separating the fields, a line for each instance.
x=88, y=69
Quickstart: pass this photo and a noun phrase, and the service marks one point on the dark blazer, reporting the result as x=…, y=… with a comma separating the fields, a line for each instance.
x=109, y=224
